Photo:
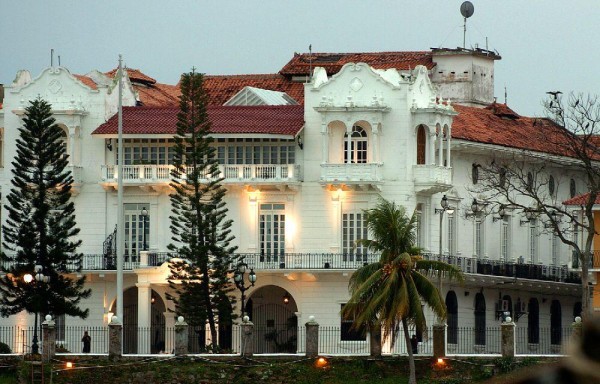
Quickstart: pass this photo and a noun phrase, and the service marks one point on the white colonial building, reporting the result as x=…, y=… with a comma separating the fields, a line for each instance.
x=303, y=155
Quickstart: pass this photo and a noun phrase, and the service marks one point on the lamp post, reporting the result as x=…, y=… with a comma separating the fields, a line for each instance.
x=445, y=208
x=144, y=214
x=39, y=279
x=238, y=278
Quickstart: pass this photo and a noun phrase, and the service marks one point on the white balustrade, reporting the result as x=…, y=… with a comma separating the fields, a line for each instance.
x=351, y=172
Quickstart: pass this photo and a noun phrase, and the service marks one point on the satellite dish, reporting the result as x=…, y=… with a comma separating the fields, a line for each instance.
x=467, y=9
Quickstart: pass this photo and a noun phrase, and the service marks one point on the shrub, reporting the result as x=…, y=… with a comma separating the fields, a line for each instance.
x=4, y=348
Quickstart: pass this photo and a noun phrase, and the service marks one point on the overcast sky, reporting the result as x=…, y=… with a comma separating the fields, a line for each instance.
x=545, y=45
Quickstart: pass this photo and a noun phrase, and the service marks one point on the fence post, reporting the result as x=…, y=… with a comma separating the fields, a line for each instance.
x=577, y=327
x=115, y=339
x=49, y=339
x=508, y=337
x=181, y=337
x=375, y=340
x=144, y=258
x=439, y=340
x=247, y=337
x=312, y=337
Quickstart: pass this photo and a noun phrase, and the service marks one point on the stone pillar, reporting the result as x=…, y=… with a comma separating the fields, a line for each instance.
x=115, y=339
x=48, y=339
x=181, y=337
x=448, y=141
x=577, y=327
x=375, y=340
x=144, y=337
x=431, y=146
x=247, y=349
x=144, y=258
x=312, y=337
x=439, y=340
x=440, y=140
x=508, y=338
x=375, y=147
x=324, y=144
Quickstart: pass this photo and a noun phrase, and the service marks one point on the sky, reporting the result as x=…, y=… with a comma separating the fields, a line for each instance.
x=546, y=45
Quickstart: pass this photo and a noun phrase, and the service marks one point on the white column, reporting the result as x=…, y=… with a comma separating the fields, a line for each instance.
x=336, y=208
x=144, y=337
x=72, y=145
x=441, y=147
x=253, y=220
x=375, y=128
x=448, y=139
x=431, y=147
x=349, y=145
x=324, y=144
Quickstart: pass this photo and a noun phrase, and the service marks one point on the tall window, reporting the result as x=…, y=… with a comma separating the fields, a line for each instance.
x=452, y=310
x=452, y=234
x=255, y=151
x=272, y=231
x=349, y=334
x=60, y=327
x=419, y=225
x=533, y=241
x=479, y=319
x=555, y=249
x=505, y=238
x=134, y=230
x=357, y=153
x=354, y=227
x=421, y=144
x=533, y=322
x=555, y=323
x=479, y=225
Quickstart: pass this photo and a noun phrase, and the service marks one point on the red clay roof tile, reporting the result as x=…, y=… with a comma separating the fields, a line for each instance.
x=275, y=120
x=87, y=81
x=301, y=63
x=581, y=200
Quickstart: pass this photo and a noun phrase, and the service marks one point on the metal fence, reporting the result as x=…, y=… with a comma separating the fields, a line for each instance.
x=424, y=346
x=543, y=341
x=331, y=342
x=71, y=340
x=473, y=341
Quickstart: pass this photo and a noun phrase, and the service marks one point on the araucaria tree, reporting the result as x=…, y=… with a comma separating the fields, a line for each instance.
x=201, y=233
x=41, y=224
x=527, y=181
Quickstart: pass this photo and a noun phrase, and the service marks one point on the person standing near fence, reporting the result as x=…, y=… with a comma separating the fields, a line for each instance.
x=87, y=342
x=414, y=344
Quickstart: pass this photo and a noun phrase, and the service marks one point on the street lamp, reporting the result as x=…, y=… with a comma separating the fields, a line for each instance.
x=144, y=214
x=238, y=278
x=39, y=278
x=445, y=208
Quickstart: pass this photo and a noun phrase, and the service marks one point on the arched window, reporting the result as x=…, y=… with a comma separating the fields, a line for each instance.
x=533, y=322
x=421, y=141
x=551, y=185
x=502, y=177
x=475, y=173
x=452, y=316
x=577, y=310
x=357, y=153
x=529, y=181
x=573, y=188
x=479, y=319
x=555, y=323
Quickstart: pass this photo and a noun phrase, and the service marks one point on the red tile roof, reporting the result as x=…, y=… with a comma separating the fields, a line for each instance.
x=301, y=63
x=581, y=200
x=87, y=81
x=135, y=75
x=499, y=125
x=222, y=88
x=275, y=120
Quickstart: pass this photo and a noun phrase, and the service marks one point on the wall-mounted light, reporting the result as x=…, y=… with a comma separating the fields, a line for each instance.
x=109, y=144
x=286, y=298
x=300, y=143
x=501, y=214
x=528, y=217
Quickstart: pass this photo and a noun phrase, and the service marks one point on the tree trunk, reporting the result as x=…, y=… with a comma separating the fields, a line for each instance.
x=412, y=379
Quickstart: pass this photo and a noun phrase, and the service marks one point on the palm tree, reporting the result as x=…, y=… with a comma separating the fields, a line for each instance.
x=389, y=293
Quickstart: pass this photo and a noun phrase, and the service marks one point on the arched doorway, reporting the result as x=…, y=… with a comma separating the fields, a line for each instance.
x=273, y=311
x=139, y=338
x=421, y=144
x=479, y=319
x=452, y=313
x=555, y=323
x=533, y=322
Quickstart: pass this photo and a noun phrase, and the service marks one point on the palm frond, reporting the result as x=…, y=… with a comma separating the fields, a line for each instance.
x=434, y=267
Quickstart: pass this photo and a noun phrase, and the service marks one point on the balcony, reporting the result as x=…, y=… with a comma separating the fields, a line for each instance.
x=430, y=179
x=352, y=174
x=593, y=262
x=148, y=175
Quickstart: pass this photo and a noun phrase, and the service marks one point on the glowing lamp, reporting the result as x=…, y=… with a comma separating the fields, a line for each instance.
x=440, y=361
x=322, y=362
x=69, y=364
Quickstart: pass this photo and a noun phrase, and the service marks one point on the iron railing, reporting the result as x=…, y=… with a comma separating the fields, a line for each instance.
x=543, y=340
x=71, y=340
x=472, y=340
x=424, y=345
x=332, y=342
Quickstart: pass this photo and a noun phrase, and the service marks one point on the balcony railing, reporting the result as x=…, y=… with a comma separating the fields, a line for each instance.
x=593, y=261
x=351, y=173
x=161, y=174
x=432, y=178
x=341, y=261
x=509, y=269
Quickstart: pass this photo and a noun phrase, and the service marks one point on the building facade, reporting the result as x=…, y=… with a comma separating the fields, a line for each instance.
x=304, y=152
